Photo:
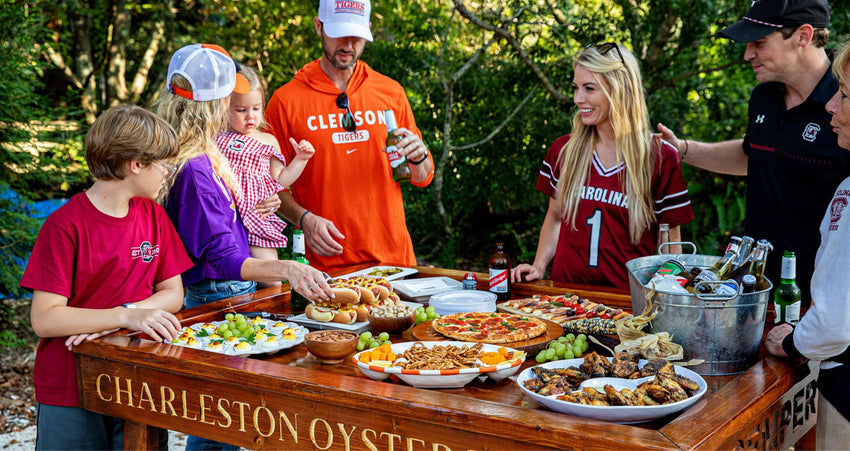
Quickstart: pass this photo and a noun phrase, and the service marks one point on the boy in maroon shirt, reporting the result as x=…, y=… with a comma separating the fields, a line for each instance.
x=108, y=259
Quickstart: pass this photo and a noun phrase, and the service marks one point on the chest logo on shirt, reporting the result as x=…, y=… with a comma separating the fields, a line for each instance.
x=810, y=134
x=236, y=145
x=760, y=119
x=146, y=251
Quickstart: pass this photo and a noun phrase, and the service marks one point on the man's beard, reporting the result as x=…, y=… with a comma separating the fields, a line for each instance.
x=331, y=56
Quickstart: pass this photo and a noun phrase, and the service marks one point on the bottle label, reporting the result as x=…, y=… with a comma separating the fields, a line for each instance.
x=298, y=243
x=725, y=289
x=499, y=280
x=788, y=314
x=395, y=158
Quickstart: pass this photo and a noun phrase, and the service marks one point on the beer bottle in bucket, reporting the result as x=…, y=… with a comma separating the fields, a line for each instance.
x=297, y=302
x=398, y=163
x=748, y=283
x=663, y=237
x=757, y=261
x=745, y=250
x=786, y=298
x=717, y=272
x=500, y=273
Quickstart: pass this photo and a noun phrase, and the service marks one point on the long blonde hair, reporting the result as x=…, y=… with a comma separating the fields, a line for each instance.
x=197, y=123
x=620, y=80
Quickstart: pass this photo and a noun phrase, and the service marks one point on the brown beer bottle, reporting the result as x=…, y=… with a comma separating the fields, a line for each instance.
x=398, y=163
x=500, y=273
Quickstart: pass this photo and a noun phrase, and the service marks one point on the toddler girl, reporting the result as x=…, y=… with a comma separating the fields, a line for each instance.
x=259, y=167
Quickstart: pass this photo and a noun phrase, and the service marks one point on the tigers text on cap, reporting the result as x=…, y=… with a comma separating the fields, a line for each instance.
x=344, y=18
x=210, y=71
x=767, y=16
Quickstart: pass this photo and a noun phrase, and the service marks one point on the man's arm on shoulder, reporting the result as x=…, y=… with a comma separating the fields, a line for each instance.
x=726, y=157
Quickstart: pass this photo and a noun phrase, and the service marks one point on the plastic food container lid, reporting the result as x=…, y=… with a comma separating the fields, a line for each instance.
x=463, y=302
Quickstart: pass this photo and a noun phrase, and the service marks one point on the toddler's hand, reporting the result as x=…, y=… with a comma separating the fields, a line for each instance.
x=303, y=150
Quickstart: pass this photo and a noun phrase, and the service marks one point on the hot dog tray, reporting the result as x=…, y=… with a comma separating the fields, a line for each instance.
x=358, y=327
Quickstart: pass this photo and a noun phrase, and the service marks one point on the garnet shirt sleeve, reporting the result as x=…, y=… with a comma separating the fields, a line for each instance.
x=547, y=179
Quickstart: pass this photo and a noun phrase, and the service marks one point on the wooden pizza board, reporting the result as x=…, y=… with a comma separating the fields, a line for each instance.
x=424, y=332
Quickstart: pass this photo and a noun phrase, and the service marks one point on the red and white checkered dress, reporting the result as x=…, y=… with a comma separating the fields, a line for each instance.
x=249, y=160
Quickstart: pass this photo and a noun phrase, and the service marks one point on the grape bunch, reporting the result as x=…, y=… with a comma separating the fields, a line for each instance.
x=425, y=314
x=237, y=325
x=367, y=340
x=566, y=347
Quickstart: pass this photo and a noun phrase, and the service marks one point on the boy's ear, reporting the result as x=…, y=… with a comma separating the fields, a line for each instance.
x=134, y=167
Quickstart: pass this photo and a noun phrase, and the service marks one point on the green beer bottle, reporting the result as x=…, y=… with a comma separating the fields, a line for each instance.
x=297, y=302
x=787, y=297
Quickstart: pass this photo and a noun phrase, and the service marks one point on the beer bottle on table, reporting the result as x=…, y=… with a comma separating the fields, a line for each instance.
x=787, y=297
x=297, y=302
x=663, y=237
x=398, y=163
x=500, y=273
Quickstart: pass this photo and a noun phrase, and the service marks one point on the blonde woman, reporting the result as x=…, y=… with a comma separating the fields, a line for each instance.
x=610, y=182
x=200, y=197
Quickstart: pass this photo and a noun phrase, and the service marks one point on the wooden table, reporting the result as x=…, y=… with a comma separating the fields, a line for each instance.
x=290, y=400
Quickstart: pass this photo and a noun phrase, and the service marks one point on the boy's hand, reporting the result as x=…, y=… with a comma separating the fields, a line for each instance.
x=303, y=150
x=74, y=340
x=157, y=324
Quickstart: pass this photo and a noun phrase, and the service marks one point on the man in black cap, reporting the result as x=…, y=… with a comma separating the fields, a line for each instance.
x=790, y=154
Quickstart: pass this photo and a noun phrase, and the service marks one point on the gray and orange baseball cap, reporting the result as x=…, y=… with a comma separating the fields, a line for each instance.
x=209, y=69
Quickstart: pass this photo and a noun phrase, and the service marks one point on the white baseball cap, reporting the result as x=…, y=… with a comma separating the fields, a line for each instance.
x=343, y=18
x=210, y=70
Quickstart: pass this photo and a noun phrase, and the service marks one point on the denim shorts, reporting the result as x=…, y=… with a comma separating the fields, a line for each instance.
x=209, y=290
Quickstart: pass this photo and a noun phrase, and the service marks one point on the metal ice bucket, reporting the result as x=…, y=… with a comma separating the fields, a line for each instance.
x=723, y=331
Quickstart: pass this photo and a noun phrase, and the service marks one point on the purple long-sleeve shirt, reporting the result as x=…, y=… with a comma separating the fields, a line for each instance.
x=205, y=215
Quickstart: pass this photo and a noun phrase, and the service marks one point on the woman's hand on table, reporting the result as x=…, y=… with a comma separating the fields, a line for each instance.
x=74, y=340
x=773, y=342
x=268, y=206
x=157, y=324
x=525, y=273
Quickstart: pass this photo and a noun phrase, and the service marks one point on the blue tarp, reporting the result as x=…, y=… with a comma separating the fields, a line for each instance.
x=36, y=210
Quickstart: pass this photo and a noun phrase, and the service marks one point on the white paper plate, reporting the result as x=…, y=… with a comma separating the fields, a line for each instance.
x=365, y=272
x=228, y=348
x=439, y=378
x=614, y=414
x=463, y=301
x=420, y=290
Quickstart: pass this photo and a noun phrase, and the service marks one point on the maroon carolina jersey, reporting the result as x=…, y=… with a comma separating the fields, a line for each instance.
x=596, y=253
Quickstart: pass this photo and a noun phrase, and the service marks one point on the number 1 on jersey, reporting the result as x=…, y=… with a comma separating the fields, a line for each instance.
x=595, y=223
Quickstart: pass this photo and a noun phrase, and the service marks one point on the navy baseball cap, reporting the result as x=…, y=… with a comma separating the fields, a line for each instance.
x=766, y=16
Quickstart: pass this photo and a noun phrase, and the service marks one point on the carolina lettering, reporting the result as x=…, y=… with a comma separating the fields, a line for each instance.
x=605, y=196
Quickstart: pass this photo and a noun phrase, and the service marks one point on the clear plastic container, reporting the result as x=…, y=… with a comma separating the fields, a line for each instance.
x=463, y=301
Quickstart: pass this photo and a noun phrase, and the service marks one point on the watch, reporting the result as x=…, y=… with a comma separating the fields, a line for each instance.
x=129, y=305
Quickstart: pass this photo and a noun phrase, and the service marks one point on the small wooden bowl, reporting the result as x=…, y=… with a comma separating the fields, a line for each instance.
x=331, y=346
x=391, y=325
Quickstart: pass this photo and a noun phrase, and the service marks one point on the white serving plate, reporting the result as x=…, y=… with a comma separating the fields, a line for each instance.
x=357, y=327
x=365, y=272
x=439, y=378
x=420, y=290
x=258, y=348
x=614, y=414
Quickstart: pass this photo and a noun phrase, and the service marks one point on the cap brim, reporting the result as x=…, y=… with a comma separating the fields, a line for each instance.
x=746, y=31
x=242, y=85
x=344, y=30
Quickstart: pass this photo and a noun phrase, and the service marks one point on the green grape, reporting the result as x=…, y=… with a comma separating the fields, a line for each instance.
x=226, y=334
x=174, y=340
x=430, y=309
x=229, y=316
x=552, y=344
x=421, y=317
x=420, y=309
x=366, y=336
x=223, y=327
x=383, y=336
x=583, y=346
x=373, y=344
x=551, y=354
x=562, y=339
x=581, y=337
x=361, y=346
x=560, y=349
x=577, y=351
x=570, y=337
x=432, y=315
x=541, y=356
x=568, y=354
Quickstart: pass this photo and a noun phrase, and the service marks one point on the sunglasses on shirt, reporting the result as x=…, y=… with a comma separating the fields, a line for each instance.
x=347, y=121
x=606, y=47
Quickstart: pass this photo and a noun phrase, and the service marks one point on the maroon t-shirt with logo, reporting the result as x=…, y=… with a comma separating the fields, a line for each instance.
x=98, y=262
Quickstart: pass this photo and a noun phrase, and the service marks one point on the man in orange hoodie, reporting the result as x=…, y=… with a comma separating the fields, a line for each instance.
x=346, y=201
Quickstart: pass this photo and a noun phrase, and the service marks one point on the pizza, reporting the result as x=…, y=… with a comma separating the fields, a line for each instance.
x=486, y=327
